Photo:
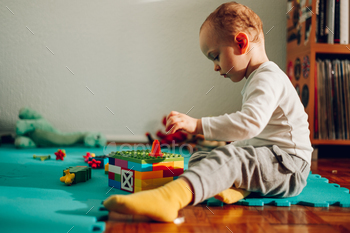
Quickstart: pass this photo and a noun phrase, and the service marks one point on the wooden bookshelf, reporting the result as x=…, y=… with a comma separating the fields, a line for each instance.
x=303, y=47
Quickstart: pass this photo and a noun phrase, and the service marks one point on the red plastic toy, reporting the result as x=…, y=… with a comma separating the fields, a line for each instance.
x=60, y=154
x=156, y=152
x=94, y=163
x=87, y=156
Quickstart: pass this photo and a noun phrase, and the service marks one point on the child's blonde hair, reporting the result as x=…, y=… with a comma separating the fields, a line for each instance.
x=232, y=17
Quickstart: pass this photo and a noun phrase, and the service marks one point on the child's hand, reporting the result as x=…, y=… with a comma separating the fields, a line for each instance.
x=177, y=121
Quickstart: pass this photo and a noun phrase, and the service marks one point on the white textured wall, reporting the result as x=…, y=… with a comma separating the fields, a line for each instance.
x=141, y=58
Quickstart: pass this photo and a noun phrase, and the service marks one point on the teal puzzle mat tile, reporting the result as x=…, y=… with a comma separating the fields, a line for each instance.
x=317, y=193
x=32, y=198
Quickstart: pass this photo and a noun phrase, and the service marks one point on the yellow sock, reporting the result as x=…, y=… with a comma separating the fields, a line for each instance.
x=161, y=204
x=232, y=195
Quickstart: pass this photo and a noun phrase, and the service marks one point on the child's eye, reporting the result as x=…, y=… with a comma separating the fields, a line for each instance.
x=216, y=58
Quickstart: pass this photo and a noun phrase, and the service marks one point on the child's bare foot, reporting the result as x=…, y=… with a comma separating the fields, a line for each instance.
x=161, y=204
x=232, y=195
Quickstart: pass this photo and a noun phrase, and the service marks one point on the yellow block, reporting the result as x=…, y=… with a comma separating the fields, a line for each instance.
x=137, y=189
x=163, y=166
x=161, y=181
x=148, y=175
x=144, y=183
x=178, y=164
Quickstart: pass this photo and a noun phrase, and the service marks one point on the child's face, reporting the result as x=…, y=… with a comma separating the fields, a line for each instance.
x=227, y=56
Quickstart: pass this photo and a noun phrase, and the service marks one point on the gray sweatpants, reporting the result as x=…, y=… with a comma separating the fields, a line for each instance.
x=268, y=171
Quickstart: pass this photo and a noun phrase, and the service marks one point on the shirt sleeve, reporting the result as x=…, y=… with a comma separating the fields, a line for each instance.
x=260, y=100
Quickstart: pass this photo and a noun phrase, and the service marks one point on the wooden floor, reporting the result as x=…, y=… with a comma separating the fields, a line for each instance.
x=234, y=218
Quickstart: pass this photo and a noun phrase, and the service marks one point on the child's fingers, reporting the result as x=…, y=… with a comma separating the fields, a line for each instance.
x=172, y=113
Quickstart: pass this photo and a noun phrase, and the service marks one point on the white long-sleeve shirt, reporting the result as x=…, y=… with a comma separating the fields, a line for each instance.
x=271, y=114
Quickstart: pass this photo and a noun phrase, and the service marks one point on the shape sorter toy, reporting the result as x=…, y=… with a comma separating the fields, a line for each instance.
x=134, y=171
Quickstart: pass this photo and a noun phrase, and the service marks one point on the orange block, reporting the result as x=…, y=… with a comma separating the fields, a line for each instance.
x=148, y=175
x=163, y=166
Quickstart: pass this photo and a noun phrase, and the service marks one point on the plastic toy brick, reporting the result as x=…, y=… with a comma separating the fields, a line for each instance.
x=148, y=175
x=111, y=175
x=173, y=172
x=161, y=181
x=82, y=173
x=111, y=161
x=95, y=164
x=127, y=180
x=140, y=167
x=100, y=161
x=137, y=171
x=163, y=166
x=121, y=163
x=68, y=178
x=106, y=168
x=87, y=156
x=42, y=157
x=114, y=169
x=179, y=164
x=114, y=184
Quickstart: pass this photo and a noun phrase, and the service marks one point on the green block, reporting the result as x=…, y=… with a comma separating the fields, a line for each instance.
x=117, y=177
x=143, y=158
x=82, y=173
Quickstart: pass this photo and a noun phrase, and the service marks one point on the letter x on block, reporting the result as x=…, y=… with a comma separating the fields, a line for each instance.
x=127, y=180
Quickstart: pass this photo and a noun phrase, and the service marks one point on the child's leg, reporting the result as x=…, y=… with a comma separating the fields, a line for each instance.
x=228, y=196
x=161, y=204
x=267, y=170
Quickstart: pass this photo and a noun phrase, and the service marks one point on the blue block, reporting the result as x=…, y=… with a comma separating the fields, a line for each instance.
x=113, y=183
x=144, y=167
x=111, y=161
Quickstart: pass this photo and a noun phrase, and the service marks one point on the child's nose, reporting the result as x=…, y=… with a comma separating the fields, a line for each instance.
x=216, y=67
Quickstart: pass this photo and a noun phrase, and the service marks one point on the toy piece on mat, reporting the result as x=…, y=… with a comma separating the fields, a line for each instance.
x=100, y=161
x=106, y=168
x=33, y=130
x=60, y=154
x=68, y=178
x=81, y=174
x=87, y=156
x=155, y=152
x=95, y=164
x=42, y=157
x=134, y=171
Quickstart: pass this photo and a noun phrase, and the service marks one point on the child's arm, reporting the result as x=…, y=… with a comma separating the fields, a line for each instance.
x=179, y=121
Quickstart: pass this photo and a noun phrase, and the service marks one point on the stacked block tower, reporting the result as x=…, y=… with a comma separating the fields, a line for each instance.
x=134, y=171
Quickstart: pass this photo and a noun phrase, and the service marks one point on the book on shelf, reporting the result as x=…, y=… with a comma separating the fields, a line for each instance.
x=332, y=98
x=332, y=21
x=344, y=21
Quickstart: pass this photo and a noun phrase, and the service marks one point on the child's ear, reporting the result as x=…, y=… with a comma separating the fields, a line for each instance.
x=243, y=42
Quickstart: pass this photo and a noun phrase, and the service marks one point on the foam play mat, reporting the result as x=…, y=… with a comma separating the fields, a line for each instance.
x=317, y=193
x=33, y=199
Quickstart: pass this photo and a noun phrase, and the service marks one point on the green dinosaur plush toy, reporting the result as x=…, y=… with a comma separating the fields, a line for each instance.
x=32, y=130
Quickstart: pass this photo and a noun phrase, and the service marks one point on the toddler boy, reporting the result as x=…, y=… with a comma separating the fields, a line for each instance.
x=271, y=149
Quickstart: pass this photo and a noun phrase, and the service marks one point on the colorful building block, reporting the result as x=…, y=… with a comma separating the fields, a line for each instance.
x=81, y=174
x=134, y=171
x=106, y=168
